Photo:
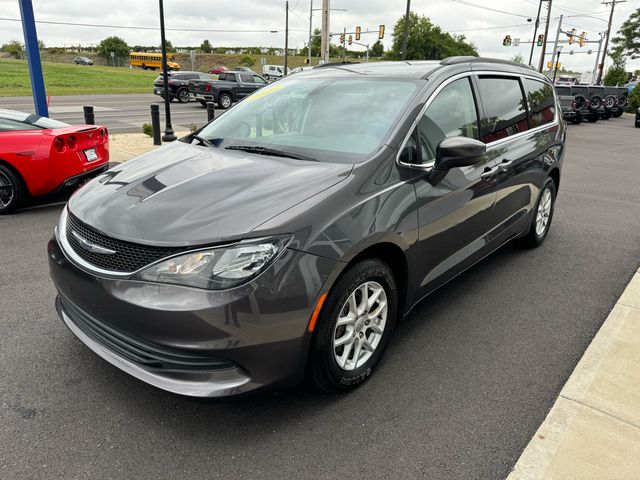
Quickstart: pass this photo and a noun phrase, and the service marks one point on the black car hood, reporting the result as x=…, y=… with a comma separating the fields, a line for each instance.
x=184, y=194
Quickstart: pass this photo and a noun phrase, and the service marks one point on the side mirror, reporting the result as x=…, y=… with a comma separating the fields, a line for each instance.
x=455, y=152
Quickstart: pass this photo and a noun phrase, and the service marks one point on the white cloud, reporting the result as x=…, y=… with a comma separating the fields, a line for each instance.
x=247, y=15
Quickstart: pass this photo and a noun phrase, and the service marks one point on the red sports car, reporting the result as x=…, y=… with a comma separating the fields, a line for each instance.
x=216, y=70
x=39, y=156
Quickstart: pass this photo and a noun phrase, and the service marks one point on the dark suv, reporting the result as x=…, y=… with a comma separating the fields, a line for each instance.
x=284, y=239
x=178, y=83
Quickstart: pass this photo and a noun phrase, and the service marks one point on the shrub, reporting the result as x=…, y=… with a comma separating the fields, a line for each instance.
x=634, y=100
x=246, y=61
x=147, y=129
x=14, y=47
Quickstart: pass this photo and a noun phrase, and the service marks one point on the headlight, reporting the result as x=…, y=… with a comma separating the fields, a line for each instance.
x=217, y=268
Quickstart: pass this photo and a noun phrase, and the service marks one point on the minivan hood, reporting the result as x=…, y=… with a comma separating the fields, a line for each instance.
x=183, y=194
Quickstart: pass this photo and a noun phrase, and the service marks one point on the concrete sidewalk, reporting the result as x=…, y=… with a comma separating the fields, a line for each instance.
x=125, y=146
x=593, y=429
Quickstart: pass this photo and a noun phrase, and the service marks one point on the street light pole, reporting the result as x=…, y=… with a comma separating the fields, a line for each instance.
x=546, y=33
x=286, y=38
x=325, y=31
x=168, y=136
x=613, y=4
x=310, y=32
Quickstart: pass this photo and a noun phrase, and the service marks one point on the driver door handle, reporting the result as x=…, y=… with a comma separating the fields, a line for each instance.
x=505, y=165
x=489, y=172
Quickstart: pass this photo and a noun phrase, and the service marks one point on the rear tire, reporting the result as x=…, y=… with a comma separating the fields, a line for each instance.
x=225, y=101
x=13, y=191
x=577, y=120
x=183, y=95
x=344, y=354
x=593, y=117
x=543, y=214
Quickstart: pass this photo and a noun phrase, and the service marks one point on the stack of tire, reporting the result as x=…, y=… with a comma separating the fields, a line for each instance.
x=586, y=105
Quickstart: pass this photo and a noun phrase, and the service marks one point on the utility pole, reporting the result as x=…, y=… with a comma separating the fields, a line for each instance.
x=168, y=130
x=555, y=65
x=286, y=38
x=310, y=32
x=535, y=32
x=344, y=47
x=555, y=44
x=324, y=43
x=405, y=40
x=546, y=32
x=613, y=4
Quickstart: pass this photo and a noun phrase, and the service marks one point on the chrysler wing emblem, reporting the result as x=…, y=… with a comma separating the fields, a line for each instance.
x=91, y=247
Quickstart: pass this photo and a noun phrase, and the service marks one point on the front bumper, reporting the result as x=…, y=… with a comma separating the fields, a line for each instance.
x=226, y=342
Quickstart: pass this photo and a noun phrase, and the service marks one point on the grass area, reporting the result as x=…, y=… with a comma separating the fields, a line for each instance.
x=69, y=79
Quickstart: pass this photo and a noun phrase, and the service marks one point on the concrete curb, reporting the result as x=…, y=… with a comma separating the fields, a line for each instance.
x=593, y=429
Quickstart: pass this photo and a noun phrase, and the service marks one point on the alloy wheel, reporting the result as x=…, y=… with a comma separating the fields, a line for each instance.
x=360, y=326
x=7, y=191
x=544, y=212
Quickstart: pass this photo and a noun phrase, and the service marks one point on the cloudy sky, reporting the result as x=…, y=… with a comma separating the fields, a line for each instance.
x=248, y=22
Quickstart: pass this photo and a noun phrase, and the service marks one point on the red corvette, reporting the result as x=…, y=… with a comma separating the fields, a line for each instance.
x=39, y=156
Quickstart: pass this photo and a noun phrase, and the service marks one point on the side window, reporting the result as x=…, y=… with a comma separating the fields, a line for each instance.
x=259, y=79
x=7, y=125
x=504, y=108
x=246, y=78
x=230, y=77
x=542, y=104
x=451, y=114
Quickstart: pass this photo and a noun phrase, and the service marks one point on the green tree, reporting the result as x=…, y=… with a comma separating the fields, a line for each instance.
x=634, y=100
x=14, y=47
x=628, y=39
x=427, y=41
x=246, y=61
x=169, y=45
x=518, y=59
x=616, y=75
x=377, y=49
x=205, y=47
x=315, y=45
x=113, y=44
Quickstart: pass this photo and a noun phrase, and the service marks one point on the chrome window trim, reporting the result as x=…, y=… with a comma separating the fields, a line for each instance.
x=458, y=76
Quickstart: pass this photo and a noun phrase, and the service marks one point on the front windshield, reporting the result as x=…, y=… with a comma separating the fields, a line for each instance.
x=325, y=119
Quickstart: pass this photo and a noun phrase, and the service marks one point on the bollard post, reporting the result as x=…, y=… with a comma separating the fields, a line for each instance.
x=211, y=113
x=155, y=123
x=89, y=117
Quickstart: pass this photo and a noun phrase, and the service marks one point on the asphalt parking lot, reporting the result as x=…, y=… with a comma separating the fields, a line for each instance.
x=120, y=113
x=465, y=382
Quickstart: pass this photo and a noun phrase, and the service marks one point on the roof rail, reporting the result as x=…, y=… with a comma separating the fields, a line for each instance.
x=334, y=64
x=470, y=59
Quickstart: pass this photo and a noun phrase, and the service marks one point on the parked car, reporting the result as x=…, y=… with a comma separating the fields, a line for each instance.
x=285, y=238
x=243, y=69
x=299, y=69
x=566, y=81
x=82, y=61
x=273, y=72
x=571, y=106
x=230, y=87
x=216, y=70
x=178, y=83
x=39, y=156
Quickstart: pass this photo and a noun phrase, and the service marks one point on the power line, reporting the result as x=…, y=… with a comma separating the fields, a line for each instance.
x=464, y=2
x=138, y=27
x=489, y=28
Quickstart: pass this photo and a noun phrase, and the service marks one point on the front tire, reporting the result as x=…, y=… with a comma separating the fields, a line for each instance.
x=13, y=191
x=543, y=215
x=354, y=327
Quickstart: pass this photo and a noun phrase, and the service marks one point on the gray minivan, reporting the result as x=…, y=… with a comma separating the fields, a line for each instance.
x=284, y=239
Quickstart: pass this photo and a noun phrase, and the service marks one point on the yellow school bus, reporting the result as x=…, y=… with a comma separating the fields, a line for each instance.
x=152, y=61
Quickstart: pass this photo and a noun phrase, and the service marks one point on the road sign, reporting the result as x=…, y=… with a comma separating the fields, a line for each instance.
x=113, y=54
x=516, y=42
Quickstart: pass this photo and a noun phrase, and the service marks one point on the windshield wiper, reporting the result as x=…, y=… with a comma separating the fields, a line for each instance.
x=203, y=141
x=269, y=151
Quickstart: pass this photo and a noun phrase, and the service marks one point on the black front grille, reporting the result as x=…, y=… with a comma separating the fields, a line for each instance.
x=129, y=257
x=135, y=350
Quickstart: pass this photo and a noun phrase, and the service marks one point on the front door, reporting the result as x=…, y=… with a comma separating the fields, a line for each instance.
x=455, y=212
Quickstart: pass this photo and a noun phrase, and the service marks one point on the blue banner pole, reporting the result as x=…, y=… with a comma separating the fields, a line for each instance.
x=33, y=57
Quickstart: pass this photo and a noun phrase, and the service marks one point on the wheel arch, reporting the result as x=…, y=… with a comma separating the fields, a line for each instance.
x=554, y=174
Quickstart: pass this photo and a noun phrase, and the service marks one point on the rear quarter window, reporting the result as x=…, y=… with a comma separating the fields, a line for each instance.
x=504, y=107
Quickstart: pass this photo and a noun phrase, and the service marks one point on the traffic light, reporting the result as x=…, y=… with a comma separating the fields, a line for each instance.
x=306, y=60
x=381, y=32
x=358, y=31
x=571, y=35
x=582, y=39
x=507, y=41
x=342, y=38
x=540, y=40
x=350, y=39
